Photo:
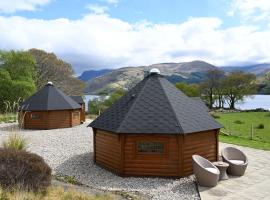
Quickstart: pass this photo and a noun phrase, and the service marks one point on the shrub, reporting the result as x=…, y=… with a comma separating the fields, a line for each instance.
x=238, y=122
x=260, y=126
x=15, y=141
x=24, y=170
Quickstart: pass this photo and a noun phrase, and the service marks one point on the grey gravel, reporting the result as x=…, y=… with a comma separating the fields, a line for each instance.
x=70, y=152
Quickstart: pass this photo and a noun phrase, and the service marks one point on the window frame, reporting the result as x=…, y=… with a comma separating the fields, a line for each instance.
x=155, y=154
x=38, y=116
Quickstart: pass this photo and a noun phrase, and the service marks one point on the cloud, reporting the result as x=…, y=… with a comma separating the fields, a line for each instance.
x=112, y=2
x=101, y=41
x=97, y=9
x=254, y=10
x=11, y=6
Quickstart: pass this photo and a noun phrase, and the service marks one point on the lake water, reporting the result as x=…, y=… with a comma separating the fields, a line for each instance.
x=253, y=102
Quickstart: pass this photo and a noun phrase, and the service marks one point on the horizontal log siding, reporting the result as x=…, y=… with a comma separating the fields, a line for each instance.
x=83, y=113
x=59, y=119
x=108, y=150
x=203, y=144
x=151, y=164
x=76, y=118
x=41, y=123
x=49, y=119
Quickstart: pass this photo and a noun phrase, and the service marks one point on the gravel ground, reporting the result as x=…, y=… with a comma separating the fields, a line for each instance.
x=70, y=152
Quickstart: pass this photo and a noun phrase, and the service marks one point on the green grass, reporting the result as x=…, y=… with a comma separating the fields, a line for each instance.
x=244, y=142
x=8, y=117
x=240, y=133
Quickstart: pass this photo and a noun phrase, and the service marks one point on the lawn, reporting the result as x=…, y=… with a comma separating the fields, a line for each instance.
x=239, y=125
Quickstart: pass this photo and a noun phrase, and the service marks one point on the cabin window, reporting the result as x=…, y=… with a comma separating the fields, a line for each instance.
x=35, y=116
x=150, y=147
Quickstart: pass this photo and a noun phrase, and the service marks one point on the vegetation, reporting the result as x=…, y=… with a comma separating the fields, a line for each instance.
x=247, y=132
x=51, y=68
x=218, y=88
x=191, y=90
x=97, y=106
x=17, y=77
x=24, y=170
x=244, y=142
x=16, y=142
x=23, y=72
x=52, y=193
x=8, y=117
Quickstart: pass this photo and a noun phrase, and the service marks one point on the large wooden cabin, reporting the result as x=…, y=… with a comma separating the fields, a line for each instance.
x=49, y=108
x=153, y=130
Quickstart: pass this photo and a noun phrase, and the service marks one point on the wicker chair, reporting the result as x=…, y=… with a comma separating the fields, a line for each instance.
x=237, y=161
x=205, y=172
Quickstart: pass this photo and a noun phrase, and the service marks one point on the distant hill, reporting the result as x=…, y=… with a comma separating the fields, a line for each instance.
x=88, y=75
x=127, y=77
x=258, y=69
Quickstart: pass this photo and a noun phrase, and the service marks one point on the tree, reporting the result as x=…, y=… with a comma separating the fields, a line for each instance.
x=17, y=77
x=211, y=85
x=237, y=85
x=51, y=68
x=97, y=106
x=191, y=90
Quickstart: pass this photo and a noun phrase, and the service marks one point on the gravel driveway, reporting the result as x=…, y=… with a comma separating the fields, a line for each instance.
x=70, y=152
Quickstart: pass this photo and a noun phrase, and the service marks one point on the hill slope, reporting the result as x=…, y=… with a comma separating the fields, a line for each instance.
x=127, y=77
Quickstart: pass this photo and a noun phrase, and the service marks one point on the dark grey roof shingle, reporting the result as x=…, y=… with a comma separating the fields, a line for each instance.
x=78, y=99
x=49, y=98
x=155, y=106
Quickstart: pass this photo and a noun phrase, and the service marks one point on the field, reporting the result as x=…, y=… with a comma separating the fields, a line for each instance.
x=242, y=126
x=8, y=117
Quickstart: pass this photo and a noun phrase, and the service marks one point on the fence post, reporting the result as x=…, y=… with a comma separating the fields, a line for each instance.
x=251, y=131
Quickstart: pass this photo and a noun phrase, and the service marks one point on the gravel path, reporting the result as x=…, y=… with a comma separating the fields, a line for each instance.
x=70, y=152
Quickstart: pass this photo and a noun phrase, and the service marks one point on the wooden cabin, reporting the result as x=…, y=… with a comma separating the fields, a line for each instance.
x=49, y=108
x=153, y=130
x=80, y=101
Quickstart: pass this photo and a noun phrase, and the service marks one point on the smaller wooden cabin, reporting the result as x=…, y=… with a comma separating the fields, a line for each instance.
x=49, y=108
x=154, y=130
x=80, y=101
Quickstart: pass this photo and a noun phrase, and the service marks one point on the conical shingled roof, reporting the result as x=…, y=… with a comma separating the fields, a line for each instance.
x=155, y=106
x=49, y=98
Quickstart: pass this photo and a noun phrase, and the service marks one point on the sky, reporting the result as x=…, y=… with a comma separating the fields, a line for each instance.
x=97, y=34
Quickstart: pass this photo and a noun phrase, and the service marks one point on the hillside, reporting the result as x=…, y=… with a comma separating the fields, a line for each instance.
x=191, y=72
x=88, y=75
x=259, y=69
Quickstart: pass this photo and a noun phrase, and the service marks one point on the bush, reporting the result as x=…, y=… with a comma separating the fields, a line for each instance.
x=260, y=126
x=238, y=122
x=15, y=141
x=23, y=170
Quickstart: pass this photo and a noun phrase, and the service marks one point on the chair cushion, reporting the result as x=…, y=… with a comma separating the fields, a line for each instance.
x=237, y=162
x=211, y=169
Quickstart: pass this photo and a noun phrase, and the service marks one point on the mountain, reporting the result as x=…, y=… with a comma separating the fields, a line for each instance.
x=258, y=69
x=127, y=77
x=88, y=75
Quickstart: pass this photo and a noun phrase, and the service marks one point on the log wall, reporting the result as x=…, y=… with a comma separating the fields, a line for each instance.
x=119, y=153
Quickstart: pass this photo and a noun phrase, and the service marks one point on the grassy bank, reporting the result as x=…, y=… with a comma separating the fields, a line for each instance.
x=53, y=193
x=242, y=126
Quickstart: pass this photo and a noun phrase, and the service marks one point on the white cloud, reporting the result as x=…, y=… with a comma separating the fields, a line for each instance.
x=112, y=2
x=97, y=9
x=255, y=10
x=100, y=41
x=11, y=6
